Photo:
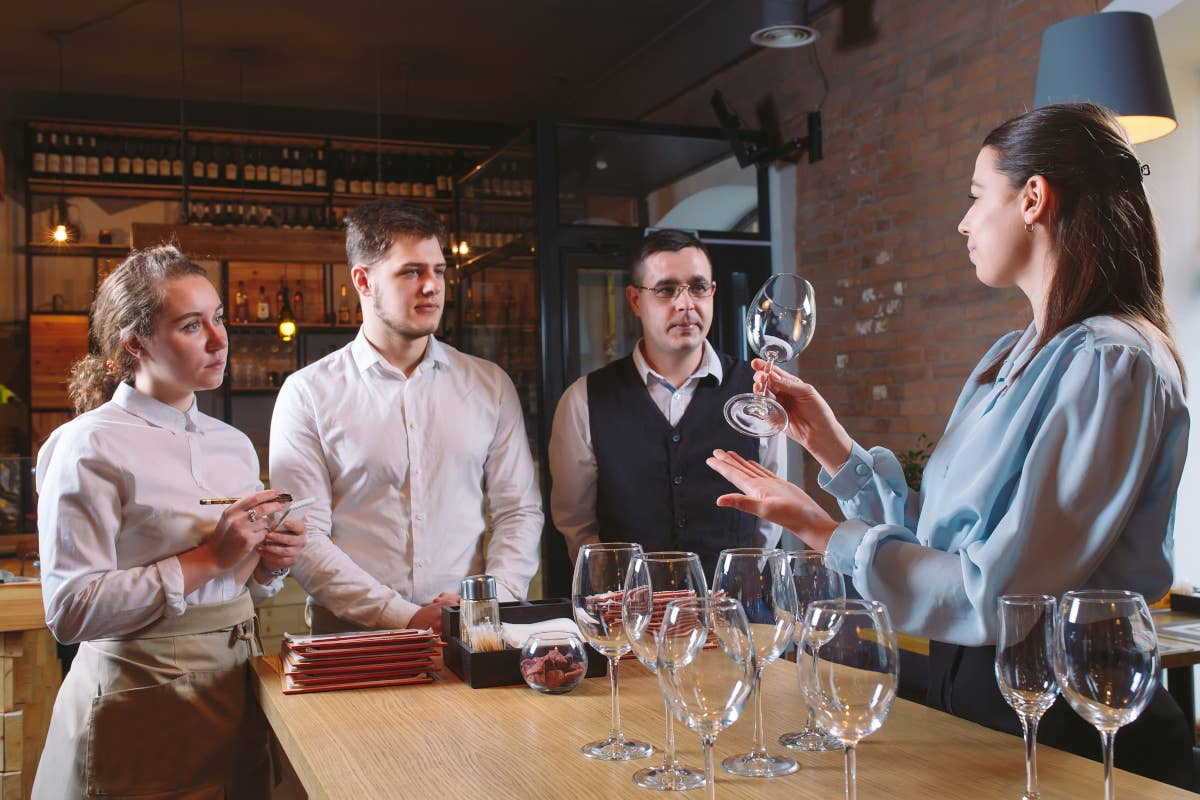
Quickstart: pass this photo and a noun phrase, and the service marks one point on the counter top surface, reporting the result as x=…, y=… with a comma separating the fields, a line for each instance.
x=511, y=742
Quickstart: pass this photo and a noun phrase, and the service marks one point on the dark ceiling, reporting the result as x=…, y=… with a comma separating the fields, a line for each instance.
x=486, y=60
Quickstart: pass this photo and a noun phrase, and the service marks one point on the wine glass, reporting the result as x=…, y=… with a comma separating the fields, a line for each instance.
x=655, y=579
x=706, y=687
x=849, y=668
x=1025, y=668
x=596, y=592
x=779, y=324
x=759, y=578
x=1106, y=662
x=814, y=580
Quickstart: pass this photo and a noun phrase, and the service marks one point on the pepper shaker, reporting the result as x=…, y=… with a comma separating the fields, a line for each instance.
x=479, y=614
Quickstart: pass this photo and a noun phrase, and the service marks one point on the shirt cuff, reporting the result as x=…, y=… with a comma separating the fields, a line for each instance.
x=843, y=545
x=851, y=477
x=396, y=614
x=263, y=591
x=170, y=573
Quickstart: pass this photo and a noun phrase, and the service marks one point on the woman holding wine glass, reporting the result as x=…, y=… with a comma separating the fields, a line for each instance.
x=1060, y=464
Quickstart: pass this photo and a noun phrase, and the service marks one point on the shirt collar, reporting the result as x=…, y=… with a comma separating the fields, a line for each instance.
x=155, y=412
x=366, y=356
x=710, y=364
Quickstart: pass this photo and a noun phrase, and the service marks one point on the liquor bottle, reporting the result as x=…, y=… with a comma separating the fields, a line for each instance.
x=429, y=175
x=108, y=162
x=151, y=161
x=298, y=303
x=241, y=305
x=262, y=170
x=124, y=162
x=164, y=162
x=212, y=165
x=231, y=170
x=391, y=179
x=249, y=156
x=378, y=176
x=93, y=158
x=137, y=162
x=320, y=175
x=285, y=169
x=176, y=162
x=353, y=179
x=340, y=185
x=269, y=220
x=39, y=152
x=343, y=307
x=67, y=158
x=404, y=182
x=197, y=164
x=54, y=156
x=281, y=294
x=297, y=169
x=308, y=177
x=240, y=216
x=263, y=312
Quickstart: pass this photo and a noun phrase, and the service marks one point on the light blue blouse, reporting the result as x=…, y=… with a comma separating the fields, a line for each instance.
x=1064, y=477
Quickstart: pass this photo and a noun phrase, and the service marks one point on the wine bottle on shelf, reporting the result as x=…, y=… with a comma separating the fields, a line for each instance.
x=343, y=307
x=263, y=311
x=285, y=169
x=150, y=167
x=176, y=162
x=353, y=174
x=298, y=303
x=297, y=181
x=125, y=162
x=404, y=185
x=249, y=156
x=391, y=179
x=262, y=170
x=108, y=161
x=429, y=175
x=320, y=173
x=197, y=163
x=241, y=305
x=54, y=156
x=378, y=175
x=269, y=220
x=340, y=183
x=281, y=294
x=230, y=169
x=308, y=176
x=164, y=161
x=212, y=167
x=240, y=216
x=92, y=152
x=273, y=171
x=39, y=153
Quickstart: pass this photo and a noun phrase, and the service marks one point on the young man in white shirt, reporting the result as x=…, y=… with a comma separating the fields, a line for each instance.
x=630, y=440
x=412, y=449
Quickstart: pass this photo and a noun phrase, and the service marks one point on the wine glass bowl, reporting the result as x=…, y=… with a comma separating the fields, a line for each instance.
x=596, y=595
x=780, y=323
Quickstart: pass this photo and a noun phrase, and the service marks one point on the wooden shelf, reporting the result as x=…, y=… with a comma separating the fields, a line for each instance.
x=292, y=245
x=346, y=199
x=78, y=250
x=174, y=191
x=498, y=203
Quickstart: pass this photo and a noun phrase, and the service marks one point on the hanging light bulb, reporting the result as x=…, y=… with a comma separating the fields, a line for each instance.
x=287, y=320
x=62, y=231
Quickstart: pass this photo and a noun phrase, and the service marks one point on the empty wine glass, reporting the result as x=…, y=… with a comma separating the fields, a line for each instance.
x=655, y=579
x=707, y=687
x=759, y=578
x=600, y=572
x=779, y=324
x=1025, y=668
x=814, y=580
x=849, y=671
x=1106, y=662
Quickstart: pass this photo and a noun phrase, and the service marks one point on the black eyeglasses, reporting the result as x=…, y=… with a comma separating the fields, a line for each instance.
x=669, y=291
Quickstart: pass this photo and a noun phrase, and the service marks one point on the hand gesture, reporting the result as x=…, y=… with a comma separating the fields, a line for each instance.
x=770, y=497
x=811, y=422
x=282, y=546
x=241, y=528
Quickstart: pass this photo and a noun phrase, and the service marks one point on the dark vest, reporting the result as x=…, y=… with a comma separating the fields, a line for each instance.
x=653, y=486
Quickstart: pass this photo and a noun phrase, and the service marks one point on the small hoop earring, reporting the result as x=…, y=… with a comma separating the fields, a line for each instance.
x=1029, y=227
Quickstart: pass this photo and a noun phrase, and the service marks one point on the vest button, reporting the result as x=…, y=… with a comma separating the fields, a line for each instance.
x=675, y=437
x=680, y=524
x=678, y=479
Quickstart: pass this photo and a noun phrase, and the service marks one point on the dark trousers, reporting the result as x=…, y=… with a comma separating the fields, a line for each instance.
x=1158, y=744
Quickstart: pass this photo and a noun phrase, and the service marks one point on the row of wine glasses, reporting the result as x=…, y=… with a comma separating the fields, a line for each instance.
x=709, y=650
x=1100, y=649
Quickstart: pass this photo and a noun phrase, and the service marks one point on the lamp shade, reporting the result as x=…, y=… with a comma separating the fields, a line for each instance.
x=1110, y=59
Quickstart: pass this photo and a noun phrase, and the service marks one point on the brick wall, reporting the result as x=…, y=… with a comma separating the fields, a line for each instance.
x=902, y=318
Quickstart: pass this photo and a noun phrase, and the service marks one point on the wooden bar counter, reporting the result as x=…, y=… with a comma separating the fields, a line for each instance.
x=448, y=740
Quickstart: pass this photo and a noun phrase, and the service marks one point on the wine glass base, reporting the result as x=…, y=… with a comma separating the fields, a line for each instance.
x=755, y=415
x=763, y=766
x=679, y=779
x=617, y=750
x=810, y=741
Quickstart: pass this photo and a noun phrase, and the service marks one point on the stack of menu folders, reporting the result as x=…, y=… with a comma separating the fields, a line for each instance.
x=358, y=660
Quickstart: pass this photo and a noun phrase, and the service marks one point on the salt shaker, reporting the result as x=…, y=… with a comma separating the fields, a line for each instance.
x=479, y=614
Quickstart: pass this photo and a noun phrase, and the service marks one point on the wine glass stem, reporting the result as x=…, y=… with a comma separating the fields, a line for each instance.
x=770, y=359
x=758, y=748
x=710, y=776
x=851, y=772
x=1029, y=726
x=614, y=733
x=669, y=748
x=1107, y=737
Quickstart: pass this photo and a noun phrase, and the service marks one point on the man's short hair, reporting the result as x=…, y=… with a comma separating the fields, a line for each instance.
x=373, y=227
x=665, y=240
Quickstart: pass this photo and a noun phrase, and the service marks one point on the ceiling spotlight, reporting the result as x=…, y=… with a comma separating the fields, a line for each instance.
x=782, y=24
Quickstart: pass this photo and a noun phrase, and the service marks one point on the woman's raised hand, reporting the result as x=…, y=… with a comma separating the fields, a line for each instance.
x=811, y=422
x=241, y=528
x=770, y=497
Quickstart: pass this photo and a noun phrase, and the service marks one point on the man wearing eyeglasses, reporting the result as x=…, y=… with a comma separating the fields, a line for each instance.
x=629, y=441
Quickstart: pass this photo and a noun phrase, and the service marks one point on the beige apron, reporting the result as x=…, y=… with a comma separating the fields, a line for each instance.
x=164, y=713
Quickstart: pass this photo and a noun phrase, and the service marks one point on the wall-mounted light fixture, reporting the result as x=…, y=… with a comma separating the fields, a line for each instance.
x=1111, y=59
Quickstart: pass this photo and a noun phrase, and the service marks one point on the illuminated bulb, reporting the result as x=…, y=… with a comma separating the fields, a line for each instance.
x=463, y=249
x=60, y=233
x=287, y=330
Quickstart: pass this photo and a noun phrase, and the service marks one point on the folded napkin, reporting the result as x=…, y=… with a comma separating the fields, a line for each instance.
x=515, y=635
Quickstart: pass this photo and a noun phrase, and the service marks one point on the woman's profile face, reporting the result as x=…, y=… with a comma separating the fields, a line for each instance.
x=188, y=349
x=997, y=242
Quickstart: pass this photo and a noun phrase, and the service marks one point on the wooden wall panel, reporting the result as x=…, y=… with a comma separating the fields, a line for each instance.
x=56, y=341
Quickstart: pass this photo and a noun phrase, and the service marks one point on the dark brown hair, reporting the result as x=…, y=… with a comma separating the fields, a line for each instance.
x=126, y=306
x=373, y=227
x=1105, y=240
x=665, y=240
